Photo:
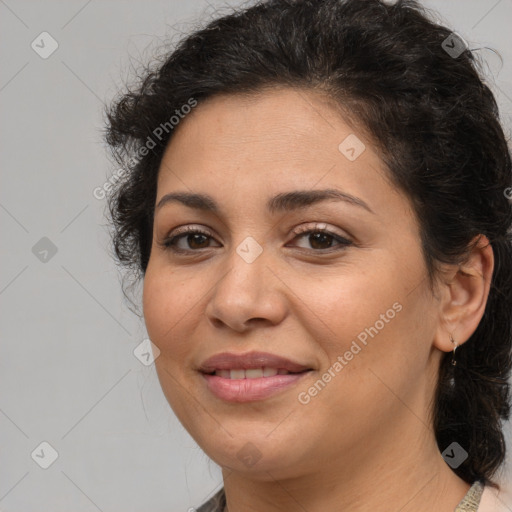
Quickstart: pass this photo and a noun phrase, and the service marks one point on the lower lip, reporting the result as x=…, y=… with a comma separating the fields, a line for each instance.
x=250, y=390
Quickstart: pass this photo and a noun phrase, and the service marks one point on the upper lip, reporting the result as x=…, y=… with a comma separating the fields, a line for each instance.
x=231, y=361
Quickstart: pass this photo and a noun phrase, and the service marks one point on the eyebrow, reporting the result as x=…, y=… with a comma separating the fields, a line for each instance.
x=283, y=202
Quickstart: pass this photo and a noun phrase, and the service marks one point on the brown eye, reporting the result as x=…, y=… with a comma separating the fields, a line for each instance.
x=189, y=240
x=196, y=240
x=323, y=240
x=193, y=239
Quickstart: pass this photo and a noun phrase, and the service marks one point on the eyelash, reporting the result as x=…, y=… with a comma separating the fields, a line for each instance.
x=170, y=243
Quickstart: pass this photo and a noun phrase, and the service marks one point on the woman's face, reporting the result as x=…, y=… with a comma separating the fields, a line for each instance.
x=350, y=308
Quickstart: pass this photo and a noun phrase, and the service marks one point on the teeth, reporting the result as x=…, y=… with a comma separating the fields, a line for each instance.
x=253, y=373
x=269, y=372
x=237, y=374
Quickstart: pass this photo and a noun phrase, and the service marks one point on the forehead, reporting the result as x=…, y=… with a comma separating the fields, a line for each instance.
x=270, y=142
x=279, y=123
x=278, y=120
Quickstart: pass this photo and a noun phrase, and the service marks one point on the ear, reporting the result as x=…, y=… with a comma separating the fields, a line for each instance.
x=464, y=290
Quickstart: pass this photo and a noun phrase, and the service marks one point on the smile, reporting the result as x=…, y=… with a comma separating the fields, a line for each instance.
x=253, y=373
x=250, y=389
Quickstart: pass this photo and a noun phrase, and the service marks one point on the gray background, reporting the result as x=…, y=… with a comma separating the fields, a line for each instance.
x=68, y=374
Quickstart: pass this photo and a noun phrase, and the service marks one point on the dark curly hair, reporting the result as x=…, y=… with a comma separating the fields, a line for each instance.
x=432, y=119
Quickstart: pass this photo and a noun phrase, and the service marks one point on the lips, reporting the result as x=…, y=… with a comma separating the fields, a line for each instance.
x=250, y=377
x=252, y=364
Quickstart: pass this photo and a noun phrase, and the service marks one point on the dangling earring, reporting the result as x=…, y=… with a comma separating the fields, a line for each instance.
x=454, y=363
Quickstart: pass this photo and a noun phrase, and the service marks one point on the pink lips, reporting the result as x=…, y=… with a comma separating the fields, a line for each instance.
x=279, y=373
x=229, y=361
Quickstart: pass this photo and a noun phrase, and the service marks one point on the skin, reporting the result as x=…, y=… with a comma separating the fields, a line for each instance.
x=365, y=442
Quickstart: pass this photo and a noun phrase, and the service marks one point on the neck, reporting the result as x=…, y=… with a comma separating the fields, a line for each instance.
x=409, y=476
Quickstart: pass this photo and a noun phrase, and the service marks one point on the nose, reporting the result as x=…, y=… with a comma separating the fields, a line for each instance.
x=248, y=294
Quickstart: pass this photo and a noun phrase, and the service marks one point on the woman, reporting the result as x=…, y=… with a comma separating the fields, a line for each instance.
x=318, y=204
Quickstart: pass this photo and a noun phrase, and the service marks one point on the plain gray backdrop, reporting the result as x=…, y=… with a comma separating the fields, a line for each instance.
x=69, y=376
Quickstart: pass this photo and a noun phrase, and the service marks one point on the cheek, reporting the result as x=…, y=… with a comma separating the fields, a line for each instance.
x=164, y=307
x=164, y=311
x=154, y=301
x=378, y=317
x=346, y=305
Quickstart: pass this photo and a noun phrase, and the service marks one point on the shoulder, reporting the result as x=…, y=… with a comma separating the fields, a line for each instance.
x=493, y=501
x=490, y=501
x=215, y=504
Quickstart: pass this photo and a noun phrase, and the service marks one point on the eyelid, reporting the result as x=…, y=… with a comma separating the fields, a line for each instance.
x=316, y=226
x=190, y=228
x=302, y=228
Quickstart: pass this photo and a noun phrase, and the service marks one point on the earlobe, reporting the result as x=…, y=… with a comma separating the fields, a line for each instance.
x=464, y=296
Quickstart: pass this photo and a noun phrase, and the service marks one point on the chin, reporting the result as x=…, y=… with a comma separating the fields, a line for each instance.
x=259, y=454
